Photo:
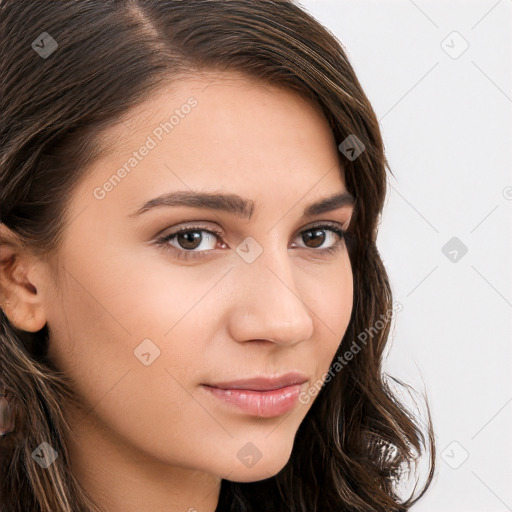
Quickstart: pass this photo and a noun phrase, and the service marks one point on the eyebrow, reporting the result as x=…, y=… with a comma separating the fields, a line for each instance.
x=237, y=205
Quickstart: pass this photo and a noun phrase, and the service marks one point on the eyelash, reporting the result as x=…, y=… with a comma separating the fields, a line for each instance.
x=183, y=254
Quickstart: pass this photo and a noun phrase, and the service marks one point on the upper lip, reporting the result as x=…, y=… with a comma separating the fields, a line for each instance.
x=263, y=383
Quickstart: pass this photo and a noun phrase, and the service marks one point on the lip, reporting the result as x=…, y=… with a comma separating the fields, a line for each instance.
x=263, y=383
x=265, y=397
x=265, y=404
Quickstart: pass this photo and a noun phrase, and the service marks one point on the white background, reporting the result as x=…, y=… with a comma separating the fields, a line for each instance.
x=446, y=123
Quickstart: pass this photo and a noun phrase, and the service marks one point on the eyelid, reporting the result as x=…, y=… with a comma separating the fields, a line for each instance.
x=338, y=227
x=196, y=225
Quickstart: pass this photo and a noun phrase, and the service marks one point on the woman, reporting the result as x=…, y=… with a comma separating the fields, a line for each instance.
x=194, y=310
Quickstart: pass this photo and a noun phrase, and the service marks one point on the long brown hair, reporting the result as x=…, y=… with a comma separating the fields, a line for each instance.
x=358, y=440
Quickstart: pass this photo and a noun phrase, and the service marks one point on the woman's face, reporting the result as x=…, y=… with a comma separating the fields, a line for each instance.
x=141, y=326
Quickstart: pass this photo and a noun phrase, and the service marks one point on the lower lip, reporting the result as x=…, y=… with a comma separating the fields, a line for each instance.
x=266, y=404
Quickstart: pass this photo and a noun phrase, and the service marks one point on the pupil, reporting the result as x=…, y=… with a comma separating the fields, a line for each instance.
x=310, y=235
x=186, y=240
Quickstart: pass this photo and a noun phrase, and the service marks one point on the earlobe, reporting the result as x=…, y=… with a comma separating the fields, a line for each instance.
x=19, y=297
x=23, y=314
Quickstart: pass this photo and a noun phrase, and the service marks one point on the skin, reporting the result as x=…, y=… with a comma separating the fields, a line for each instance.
x=150, y=437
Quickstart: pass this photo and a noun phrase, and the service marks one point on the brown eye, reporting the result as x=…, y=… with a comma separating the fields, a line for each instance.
x=315, y=236
x=189, y=239
x=188, y=242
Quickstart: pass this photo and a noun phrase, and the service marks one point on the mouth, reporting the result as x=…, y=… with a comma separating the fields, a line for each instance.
x=263, y=383
x=260, y=396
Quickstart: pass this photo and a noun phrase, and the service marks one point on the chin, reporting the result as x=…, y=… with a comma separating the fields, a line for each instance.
x=256, y=473
x=265, y=467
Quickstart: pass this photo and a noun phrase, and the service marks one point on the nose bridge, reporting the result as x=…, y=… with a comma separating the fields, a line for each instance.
x=268, y=303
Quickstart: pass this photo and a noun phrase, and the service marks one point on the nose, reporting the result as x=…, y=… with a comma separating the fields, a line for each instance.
x=267, y=303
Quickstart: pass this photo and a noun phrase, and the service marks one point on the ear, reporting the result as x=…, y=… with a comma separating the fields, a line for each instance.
x=19, y=297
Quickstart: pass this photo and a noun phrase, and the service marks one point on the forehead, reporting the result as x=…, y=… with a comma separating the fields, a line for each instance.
x=219, y=107
x=220, y=132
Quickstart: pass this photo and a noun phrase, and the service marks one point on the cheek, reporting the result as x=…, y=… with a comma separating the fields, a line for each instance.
x=333, y=297
x=112, y=319
x=131, y=353
x=332, y=309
